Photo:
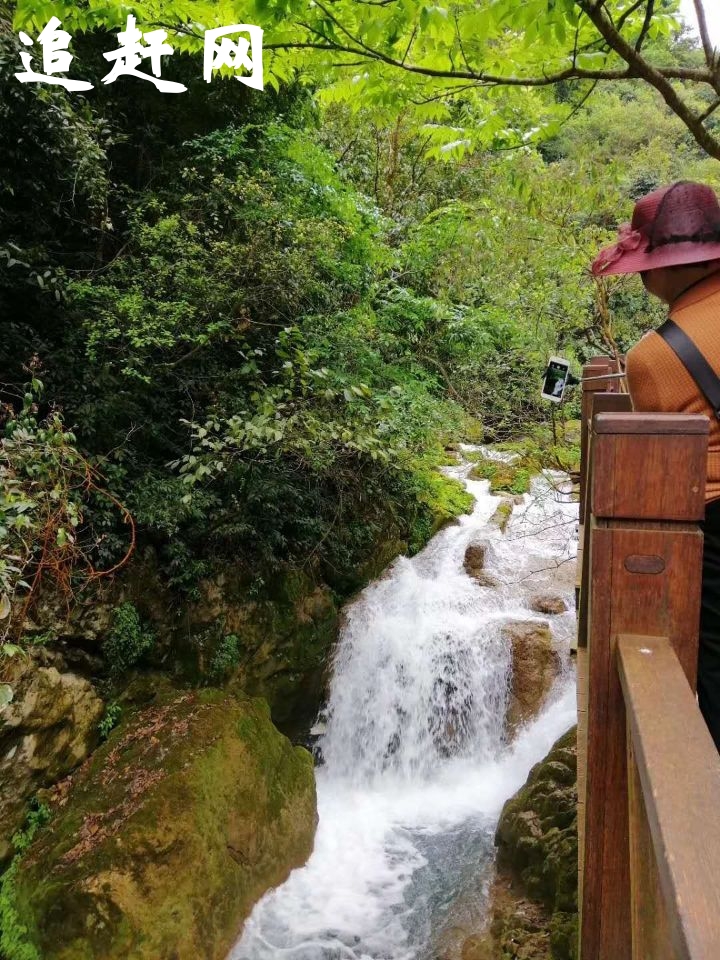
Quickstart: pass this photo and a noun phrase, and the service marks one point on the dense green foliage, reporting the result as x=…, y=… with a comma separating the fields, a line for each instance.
x=225, y=658
x=110, y=720
x=257, y=320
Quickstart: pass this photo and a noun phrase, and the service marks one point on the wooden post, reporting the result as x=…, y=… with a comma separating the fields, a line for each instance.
x=595, y=368
x=598, y=403
x=647, y=495
x=591, y=387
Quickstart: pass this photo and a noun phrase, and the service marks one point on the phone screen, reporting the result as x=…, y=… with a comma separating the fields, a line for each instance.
x=555, y=379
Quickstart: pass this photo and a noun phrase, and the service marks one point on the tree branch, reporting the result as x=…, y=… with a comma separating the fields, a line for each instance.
x=705, y=34
x=693, y=74
x=646, y=25
x=639, y=67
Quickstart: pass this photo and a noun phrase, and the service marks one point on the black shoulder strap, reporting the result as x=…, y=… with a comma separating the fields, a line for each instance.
x=694, y=362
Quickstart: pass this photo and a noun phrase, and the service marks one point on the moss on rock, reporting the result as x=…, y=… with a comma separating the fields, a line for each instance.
x=502, y=515
x=170, y=834
x=537, y=832
x=504, y=477
x=533, y=901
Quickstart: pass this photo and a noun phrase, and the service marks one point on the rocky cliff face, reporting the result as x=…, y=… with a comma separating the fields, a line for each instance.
x=534, y=899
x=168, y=835
x=48, y=728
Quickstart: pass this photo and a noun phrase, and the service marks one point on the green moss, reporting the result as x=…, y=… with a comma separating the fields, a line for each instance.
x=503, y=477
x=443, y=499
x=14, y=942
x=502, y=515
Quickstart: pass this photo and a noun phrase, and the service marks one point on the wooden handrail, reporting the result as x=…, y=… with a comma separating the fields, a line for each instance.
x=644, y=494
x=674, y=816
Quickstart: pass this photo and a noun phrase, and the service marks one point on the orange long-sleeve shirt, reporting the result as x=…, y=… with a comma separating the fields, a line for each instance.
x=659, y=382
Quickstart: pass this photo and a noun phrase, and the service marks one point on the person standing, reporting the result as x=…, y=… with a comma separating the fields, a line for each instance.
x=673, y=242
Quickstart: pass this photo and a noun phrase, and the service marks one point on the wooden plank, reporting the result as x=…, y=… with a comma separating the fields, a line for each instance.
x=599, y=665
x=651, y=495
x=582, y=693
x=668, y=424
x=679, y=773
x=668, y=603
x=651, y=936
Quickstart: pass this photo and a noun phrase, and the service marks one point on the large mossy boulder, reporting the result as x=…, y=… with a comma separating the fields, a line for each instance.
x=169, y=834
x=533, y=899
x=537, y=832
x=538, y=848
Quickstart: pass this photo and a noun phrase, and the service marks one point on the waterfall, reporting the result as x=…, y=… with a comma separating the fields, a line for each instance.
x=416, y=764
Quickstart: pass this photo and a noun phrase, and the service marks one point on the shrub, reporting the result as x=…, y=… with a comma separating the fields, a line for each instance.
x=128, y=641
x=110, y=720
x=225, y=658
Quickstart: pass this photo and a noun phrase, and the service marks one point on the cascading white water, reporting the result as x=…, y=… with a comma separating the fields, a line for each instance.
x=416, y=766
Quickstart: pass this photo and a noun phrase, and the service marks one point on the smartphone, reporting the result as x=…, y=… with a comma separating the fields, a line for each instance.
x=555, y=380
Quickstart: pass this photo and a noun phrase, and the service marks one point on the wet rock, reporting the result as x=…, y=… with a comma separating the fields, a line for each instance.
x=477, y=948
x=548, y=603
x=501, y=518
x=543, y=860
x=487, y=580
x=476, y=555
x=533, y=901
x=537, y=832
x=170, y=834
x=47, y=730
x=535, y=667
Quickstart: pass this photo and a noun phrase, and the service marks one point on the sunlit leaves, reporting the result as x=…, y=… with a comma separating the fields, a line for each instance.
x=394, y=55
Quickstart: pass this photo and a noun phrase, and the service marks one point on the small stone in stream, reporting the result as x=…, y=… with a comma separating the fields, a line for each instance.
x=535, y=667
x=475, y=557
x=501, y=517
x=548, y=603
x=487, y=580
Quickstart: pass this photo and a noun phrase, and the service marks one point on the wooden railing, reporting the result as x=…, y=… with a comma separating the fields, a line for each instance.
x=648, y=771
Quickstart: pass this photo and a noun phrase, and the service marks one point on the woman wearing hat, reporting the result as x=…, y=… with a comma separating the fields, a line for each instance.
x=673, y=242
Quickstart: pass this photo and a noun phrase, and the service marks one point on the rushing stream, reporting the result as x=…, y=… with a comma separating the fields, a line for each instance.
x=416, y=769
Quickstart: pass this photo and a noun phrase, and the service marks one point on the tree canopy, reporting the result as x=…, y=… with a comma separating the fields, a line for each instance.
x=472, y=73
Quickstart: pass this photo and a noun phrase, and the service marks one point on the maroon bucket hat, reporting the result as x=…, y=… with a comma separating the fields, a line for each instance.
x=675, y=225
